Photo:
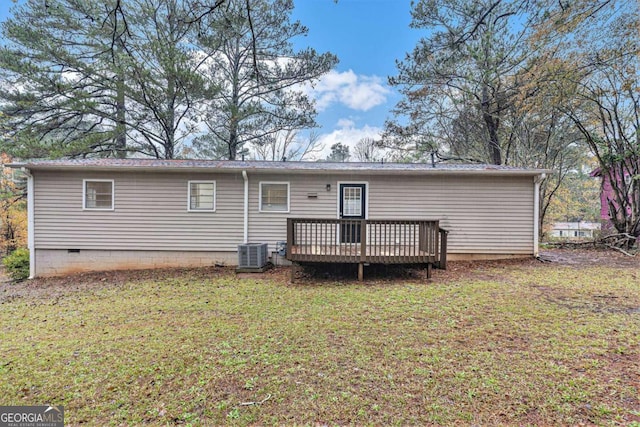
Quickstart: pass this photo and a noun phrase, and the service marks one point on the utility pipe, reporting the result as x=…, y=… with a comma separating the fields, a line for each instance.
x=536, y=211
x=30, y=223
x=246, y=206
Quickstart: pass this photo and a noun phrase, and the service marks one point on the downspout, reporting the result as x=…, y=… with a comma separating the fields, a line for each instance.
x=536, y=211
x=30, y=223
x=246, y=206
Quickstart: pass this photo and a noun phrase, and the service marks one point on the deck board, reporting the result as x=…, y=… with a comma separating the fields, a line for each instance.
x=353, y=253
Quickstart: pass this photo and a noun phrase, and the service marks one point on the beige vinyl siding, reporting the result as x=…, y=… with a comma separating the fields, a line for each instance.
x=486, y=215
x=271, y=227
x=150, y=213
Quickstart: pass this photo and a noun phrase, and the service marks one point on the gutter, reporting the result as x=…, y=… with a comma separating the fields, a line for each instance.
x=246, y=206
x=30, y=222
x=280, y=168
x=536, y=211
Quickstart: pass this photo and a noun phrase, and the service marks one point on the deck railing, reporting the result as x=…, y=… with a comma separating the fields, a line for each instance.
x=366, y=241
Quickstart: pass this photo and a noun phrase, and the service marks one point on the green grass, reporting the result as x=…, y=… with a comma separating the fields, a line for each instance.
x=515, y=345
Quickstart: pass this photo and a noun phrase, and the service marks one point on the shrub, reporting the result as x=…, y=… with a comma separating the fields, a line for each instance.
x=17, y=264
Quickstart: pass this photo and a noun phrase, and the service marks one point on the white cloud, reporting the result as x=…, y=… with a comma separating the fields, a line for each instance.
x=357, y=92
x=348, y=135
x=345, y=123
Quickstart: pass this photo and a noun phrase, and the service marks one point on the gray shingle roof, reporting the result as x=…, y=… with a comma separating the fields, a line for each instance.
x=266, y=166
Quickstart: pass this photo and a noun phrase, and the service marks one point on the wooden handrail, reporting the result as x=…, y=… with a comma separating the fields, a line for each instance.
x=366, y=241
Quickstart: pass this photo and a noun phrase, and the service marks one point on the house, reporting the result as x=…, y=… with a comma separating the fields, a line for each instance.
x=101, y=214
x=620, y=177
x=575, y=230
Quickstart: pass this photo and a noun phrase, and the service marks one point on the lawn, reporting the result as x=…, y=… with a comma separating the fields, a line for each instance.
x=518, y=343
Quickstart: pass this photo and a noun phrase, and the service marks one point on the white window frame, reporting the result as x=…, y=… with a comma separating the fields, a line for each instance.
x=84, y=195
x=261, y=183
x=215, y=194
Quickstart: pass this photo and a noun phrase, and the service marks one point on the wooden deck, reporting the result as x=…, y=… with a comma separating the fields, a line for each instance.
x=366, y=242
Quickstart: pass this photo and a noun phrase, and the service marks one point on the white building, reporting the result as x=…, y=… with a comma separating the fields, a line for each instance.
x=575, y=230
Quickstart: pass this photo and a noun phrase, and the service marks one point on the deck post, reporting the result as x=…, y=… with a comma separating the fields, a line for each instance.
x=429, y=269
x=442, y=264
x=436, y=243
x=360, y=271
x=290, y=238
x=293, y=272
x=363, y=240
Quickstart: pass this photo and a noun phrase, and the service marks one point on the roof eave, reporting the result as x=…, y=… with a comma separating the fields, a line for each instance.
x=358, y=171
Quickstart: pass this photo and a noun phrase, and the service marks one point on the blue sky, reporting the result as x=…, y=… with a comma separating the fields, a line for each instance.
x=368, y=36
x=5, y=5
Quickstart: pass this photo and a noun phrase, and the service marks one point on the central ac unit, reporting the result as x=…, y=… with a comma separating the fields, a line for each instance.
x=252, y=255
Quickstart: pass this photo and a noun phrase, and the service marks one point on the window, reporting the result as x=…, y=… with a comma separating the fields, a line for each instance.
x=202, y=196
x=98, y=194
x=274, y=197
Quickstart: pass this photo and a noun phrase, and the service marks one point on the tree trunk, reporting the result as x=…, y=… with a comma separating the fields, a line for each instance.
x=121, y=134
x=233, y=138
x=121, y=130
x=170, y=129
x=234, y=122
x=492, y=123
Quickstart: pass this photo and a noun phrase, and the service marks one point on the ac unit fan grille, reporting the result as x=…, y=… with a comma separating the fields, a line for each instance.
x=252, y=255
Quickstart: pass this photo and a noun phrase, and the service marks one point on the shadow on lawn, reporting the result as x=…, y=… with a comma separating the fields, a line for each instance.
x=311, y=273
x=324, y=272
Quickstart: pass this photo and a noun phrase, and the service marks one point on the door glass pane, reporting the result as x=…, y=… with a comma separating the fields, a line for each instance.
x=352, y=201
